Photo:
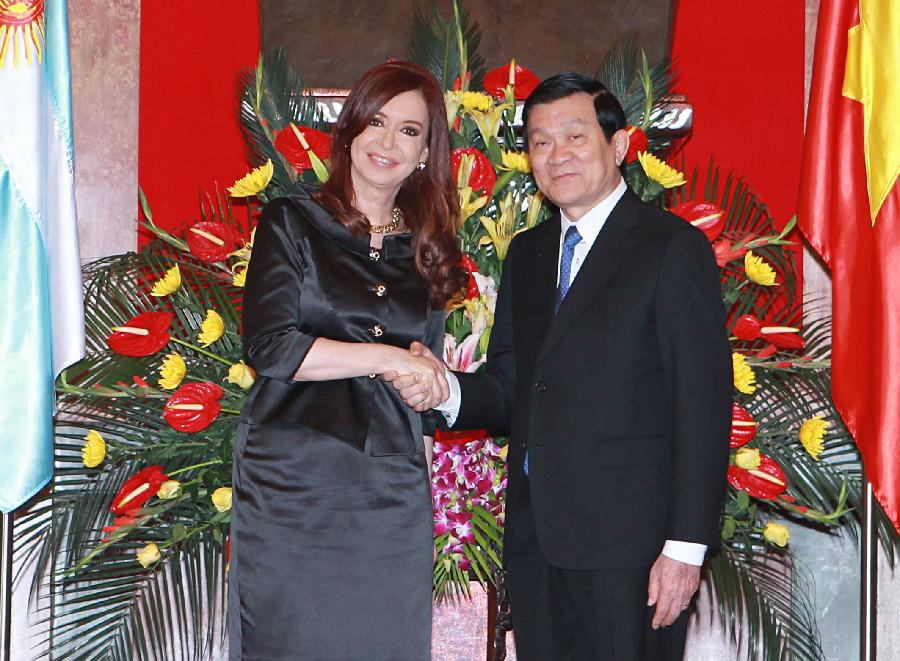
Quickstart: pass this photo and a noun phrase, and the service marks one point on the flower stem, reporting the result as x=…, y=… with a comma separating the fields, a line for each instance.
x=187, y=468
x=203, y=351
x=233, y=411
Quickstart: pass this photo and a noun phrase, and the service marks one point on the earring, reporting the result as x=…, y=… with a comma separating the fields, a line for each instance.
x=420, y=166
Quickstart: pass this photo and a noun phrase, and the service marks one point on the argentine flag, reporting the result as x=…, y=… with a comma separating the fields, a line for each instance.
x=41, y=316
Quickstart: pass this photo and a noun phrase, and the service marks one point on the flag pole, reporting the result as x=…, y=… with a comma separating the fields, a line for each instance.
x=6, y=551
x=868, y=575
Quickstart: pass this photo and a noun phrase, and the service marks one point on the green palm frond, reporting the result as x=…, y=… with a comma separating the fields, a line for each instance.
x=273, y=97
x=434, y=44
x=621, y=70
x=746, y=214
x=762, y=598
x=111, y=607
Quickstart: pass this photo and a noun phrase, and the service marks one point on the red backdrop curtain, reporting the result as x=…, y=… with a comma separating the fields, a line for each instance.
x=189, y=134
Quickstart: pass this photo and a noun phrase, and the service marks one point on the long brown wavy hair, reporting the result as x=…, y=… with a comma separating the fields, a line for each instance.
x=428, y=198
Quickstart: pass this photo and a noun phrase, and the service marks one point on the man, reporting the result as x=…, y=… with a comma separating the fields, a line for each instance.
x=609, y=366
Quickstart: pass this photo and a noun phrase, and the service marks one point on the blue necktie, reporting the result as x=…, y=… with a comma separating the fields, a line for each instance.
x=572, y=239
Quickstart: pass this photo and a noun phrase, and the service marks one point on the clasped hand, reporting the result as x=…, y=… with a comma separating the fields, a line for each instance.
x=419, y=378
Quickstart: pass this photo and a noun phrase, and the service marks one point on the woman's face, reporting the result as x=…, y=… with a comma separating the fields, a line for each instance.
x=391, y=146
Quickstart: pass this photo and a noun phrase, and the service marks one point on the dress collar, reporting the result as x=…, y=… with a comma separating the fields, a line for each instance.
x=394, y=246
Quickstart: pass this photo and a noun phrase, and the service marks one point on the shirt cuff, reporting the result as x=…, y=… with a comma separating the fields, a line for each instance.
x=687, y=552
x=450, y=408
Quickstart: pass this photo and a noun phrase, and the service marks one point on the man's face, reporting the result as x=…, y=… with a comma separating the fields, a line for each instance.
x=573, y=164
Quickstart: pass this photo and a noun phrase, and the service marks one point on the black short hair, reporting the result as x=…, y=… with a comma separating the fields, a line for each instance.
x=610, y=114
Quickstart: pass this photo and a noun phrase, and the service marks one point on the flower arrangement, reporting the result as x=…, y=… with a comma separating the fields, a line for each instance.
x=142, y=502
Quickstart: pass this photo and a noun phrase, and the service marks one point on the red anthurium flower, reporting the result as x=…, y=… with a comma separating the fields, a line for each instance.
x=136, y=491
x=193, y=406
x=142, y=335
x=743, y=427
x=787, y=340
x=482, y=177
x=748, y=327
x=725, y=253
x=288, y=143
x=706, y=216
x=460, y=437
x=637, y=142
x=767, y=481
x=471, y=268
x=117, y=523
x=211, y=242
x=523, y=81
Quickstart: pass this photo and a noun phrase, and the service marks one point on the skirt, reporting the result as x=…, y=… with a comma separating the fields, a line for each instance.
x=331, y=550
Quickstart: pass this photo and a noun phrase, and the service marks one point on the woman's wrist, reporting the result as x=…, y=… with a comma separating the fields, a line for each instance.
x=384, y=358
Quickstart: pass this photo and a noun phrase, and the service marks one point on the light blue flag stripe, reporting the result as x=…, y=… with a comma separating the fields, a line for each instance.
x=41, y=324
x=56, y=71
x=26, y=377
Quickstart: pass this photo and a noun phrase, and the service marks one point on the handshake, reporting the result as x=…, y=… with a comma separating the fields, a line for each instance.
x=419, y=377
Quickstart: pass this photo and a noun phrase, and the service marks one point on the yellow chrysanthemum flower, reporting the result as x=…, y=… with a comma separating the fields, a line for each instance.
x=758, y=270
x=241, y=374
x=660, y=171
x=94, y=451
x=775, y=533
x=149, y=555
x=476, y=101
x=169, y=489
x=168, y=284
x=253, y=182
x=812, y=435
x=514, y=160
x=747, y=458
x=221, y=498
x=172, y=371
x=744, y=378
x=212, y=329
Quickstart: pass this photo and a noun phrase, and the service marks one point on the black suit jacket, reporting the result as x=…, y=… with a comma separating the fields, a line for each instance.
x=622, y=398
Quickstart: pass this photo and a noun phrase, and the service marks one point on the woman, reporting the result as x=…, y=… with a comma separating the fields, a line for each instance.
x=332, y=532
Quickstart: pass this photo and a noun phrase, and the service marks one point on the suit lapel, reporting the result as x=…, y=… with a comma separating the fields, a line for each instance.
x=540, y=280
x=609, y=250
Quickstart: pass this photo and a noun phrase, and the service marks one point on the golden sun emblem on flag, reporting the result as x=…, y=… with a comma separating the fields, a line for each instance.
x=22, y=27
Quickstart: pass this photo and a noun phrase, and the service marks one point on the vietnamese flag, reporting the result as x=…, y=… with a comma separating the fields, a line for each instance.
x=849, y=209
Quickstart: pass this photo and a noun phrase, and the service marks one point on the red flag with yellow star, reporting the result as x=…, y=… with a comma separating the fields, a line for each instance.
x=849, y=209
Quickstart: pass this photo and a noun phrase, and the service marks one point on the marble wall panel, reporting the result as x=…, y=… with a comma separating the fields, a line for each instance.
x=104, y=40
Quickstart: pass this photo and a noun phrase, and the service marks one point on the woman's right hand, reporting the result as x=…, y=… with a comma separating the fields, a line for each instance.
x=423, y=370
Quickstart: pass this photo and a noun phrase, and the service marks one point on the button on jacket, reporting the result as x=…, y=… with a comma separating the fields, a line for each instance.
x=310, y=277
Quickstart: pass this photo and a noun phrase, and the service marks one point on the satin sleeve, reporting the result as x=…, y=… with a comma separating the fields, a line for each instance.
x=274, y=345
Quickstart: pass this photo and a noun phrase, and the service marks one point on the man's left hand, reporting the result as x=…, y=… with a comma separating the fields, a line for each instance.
x=672, y=585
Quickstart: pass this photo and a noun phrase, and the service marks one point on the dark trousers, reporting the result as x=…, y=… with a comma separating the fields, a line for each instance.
x=581, y=615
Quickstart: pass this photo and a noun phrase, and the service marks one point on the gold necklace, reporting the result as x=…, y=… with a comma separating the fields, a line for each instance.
x=396, y=219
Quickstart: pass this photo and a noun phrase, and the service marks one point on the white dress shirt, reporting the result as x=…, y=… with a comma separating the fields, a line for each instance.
x=589, y=226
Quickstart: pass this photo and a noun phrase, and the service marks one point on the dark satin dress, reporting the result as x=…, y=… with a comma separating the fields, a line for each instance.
x=331, y=534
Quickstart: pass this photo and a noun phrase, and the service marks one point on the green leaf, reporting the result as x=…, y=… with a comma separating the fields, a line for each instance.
x=433, y=44
x=728, y=528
